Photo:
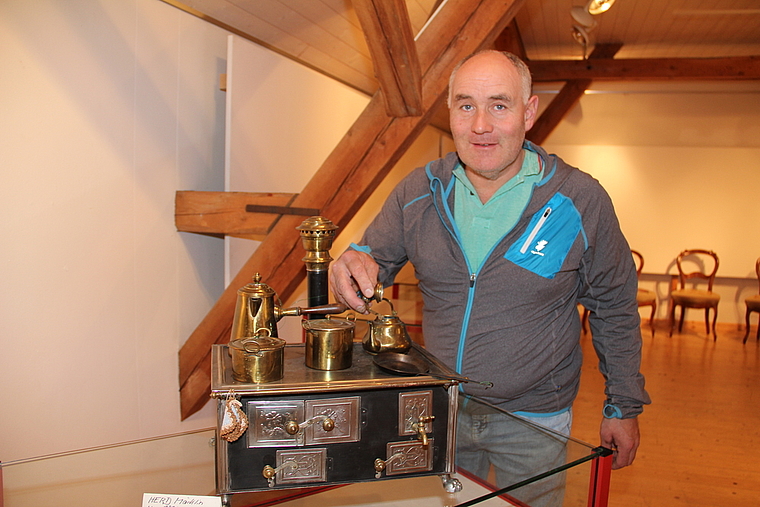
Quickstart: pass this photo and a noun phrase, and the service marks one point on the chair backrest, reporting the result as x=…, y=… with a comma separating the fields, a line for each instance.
x=757, y=272
x=638, y=259
x=701, y=259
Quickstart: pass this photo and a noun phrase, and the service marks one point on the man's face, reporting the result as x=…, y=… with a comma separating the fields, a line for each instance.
x=489, y=115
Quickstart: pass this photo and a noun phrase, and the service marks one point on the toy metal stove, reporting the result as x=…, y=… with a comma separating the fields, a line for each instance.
x=312, y=427
x=316, y=427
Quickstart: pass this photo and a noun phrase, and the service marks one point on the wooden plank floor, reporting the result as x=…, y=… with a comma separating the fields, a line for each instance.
x=701, y=435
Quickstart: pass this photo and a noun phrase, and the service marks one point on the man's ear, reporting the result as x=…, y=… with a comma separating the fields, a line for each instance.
x=531, y=110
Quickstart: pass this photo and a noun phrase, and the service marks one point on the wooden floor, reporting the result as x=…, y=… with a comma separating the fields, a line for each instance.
x=700, y=443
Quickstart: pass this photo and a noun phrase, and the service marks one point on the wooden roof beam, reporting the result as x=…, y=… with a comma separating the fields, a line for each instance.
x=249, y=215
x=388, y=32
x=608, y=69
x=567, y=97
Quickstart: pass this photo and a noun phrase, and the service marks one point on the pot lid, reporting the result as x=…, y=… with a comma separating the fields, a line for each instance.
x=328, y=324
x=257, y=288
x=258, y=343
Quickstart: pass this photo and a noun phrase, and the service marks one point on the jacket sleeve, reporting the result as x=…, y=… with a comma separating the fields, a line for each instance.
x=384, y=237
x=609, y=286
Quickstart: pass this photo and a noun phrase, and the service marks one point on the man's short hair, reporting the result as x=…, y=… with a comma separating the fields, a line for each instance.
x=522, y=70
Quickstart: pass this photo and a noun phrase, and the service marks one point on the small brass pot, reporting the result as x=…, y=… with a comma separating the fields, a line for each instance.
x=257, y=359
x=329, y=343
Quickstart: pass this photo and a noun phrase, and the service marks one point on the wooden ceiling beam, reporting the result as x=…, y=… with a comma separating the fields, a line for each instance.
x=511, y=40
x=567, y=98
x=359, y=162
x=388, y=33
x=249, y=215
x=608, y=69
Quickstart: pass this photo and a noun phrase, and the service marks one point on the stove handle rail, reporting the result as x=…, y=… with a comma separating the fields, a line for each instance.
x=270, y=473
x=380, y=464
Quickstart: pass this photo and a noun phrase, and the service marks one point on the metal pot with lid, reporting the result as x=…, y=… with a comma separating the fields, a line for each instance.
x=257, y=359
x=329, y=343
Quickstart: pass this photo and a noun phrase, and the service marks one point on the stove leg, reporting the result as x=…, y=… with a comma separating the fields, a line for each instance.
x=451, y=484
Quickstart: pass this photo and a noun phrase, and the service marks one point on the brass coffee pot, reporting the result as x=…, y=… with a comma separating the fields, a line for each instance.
x=256, y=309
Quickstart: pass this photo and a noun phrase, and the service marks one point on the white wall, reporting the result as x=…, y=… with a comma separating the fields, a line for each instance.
x=106, y=109
x=681, y=162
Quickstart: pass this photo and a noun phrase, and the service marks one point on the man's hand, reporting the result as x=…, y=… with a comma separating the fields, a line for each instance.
x=622, y=436
x=353, y=271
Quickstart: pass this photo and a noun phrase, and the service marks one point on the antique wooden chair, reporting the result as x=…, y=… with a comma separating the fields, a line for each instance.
x=753, y=303
x=705, y=264
x=644, y=297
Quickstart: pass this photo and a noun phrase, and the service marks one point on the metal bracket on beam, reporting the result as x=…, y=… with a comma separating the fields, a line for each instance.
x=281, y=210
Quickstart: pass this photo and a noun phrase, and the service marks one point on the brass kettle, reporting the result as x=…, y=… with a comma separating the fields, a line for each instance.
x=387, y=333
x=256, y=309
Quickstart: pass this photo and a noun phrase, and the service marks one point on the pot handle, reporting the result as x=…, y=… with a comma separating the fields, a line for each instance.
x=252, y=347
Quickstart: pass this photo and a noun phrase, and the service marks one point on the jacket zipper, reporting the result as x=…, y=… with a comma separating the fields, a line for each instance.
x=535, y=230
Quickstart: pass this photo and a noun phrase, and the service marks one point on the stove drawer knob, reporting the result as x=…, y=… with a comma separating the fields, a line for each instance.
x=293, y=428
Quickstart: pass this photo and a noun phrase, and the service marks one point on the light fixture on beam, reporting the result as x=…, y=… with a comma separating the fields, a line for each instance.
x=585, y=22
x=585, y=15
x=581, y=36
x=599, y=6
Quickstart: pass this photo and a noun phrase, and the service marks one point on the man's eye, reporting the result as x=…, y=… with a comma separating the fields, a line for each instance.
x=466, y=107
x=499, y=107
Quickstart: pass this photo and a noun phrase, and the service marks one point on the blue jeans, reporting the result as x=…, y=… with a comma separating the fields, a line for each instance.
x=516, y=450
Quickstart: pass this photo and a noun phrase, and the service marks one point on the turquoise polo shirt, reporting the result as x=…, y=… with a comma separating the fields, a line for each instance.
x=480, y=225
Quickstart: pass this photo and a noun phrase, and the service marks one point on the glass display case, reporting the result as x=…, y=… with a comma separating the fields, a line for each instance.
x=184, y=464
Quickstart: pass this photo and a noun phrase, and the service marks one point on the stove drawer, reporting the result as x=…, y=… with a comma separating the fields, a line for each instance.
x=279, y=423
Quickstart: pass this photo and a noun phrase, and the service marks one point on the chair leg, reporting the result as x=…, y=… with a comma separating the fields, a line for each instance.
x=651, y=318
x=715, y=319
x=680, y=320
x=672, y=318
x=746, y=333
x=707, y=320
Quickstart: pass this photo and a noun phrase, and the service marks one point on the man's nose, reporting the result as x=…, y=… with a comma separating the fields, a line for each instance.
x=481, y=123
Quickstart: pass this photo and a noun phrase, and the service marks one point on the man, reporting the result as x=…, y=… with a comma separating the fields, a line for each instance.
x=505, y=240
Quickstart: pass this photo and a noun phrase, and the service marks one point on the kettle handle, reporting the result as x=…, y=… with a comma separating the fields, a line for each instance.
x=331, y=308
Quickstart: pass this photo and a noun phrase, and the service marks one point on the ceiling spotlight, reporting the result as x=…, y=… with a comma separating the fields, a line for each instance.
x=583, y=17
x=599, y=6
x=585, y=22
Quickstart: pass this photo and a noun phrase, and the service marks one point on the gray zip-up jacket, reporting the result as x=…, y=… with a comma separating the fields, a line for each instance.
x=514, y=321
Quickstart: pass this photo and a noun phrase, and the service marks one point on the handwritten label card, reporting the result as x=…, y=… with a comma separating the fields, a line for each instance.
x=161, y=500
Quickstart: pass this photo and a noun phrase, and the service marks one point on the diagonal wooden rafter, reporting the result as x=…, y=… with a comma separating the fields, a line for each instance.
x=361, y=160
x=388, y=32
x=568, y=96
